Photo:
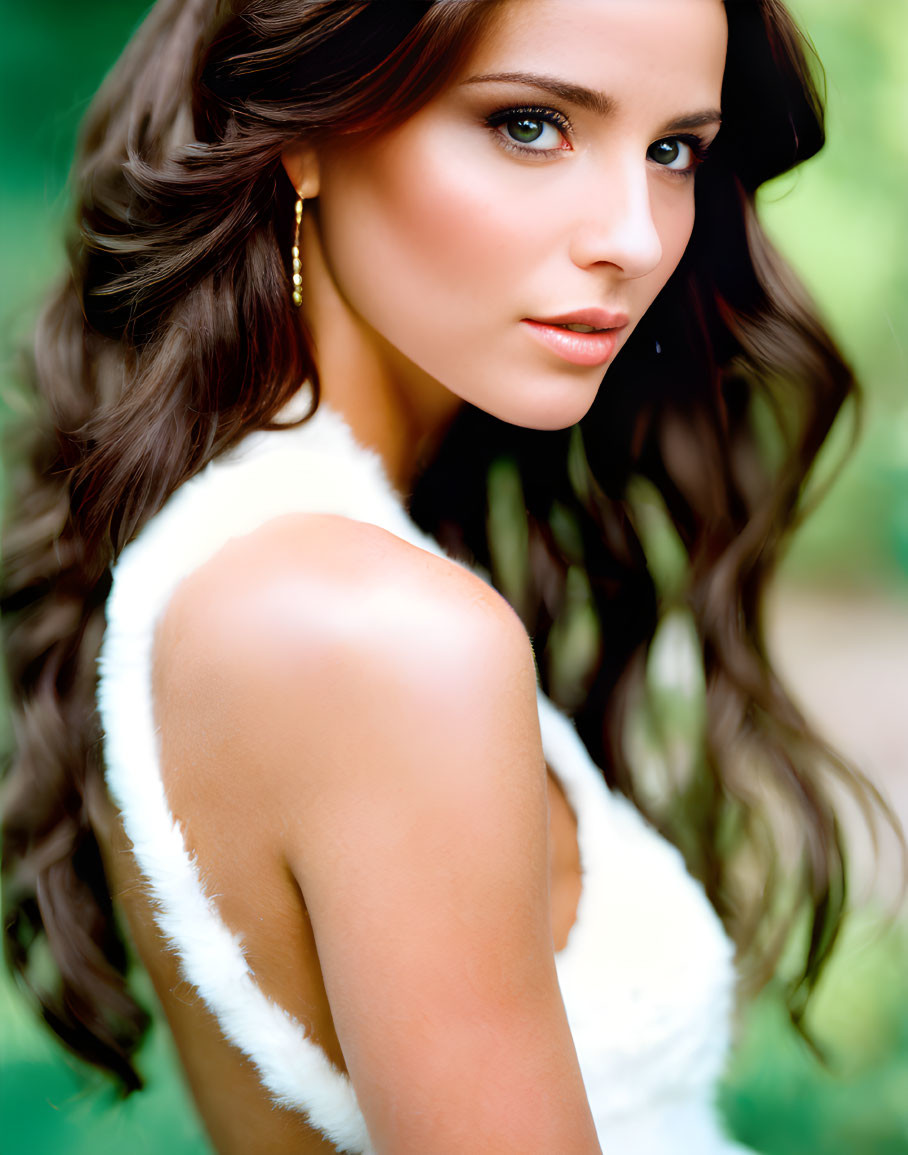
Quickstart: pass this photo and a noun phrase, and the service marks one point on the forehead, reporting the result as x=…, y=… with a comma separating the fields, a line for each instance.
x=664, y=48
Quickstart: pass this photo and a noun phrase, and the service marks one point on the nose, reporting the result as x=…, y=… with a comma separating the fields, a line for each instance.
x=616, y=225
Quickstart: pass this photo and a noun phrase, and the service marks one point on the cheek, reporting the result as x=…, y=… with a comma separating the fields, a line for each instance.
x=674, y=223
x=413, y=239
x=680, y=227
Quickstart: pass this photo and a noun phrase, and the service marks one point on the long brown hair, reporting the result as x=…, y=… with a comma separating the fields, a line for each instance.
x=172, y=337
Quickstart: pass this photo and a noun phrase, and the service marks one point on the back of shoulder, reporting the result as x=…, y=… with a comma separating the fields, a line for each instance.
x=322, y=622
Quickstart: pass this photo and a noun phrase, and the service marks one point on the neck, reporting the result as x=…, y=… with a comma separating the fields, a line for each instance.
x=391, y=405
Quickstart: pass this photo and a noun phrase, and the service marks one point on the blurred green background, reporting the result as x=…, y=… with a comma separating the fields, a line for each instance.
x=842, y=220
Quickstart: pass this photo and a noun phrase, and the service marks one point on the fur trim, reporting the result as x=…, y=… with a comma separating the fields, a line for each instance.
x=646, y=975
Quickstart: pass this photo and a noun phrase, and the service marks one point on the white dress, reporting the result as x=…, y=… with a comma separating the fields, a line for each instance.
x=646, y=976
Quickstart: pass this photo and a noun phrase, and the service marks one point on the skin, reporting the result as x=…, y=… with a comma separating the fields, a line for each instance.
x=348, y=725
x=472, y=238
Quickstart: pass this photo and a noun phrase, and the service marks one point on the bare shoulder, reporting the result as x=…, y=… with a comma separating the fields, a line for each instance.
x=363, y=714
x=306, y=585
x=315, y=622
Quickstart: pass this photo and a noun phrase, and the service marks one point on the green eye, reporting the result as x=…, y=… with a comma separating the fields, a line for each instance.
x=525, y=130
x=678, y=154
x=531, y=130
x=666, y=152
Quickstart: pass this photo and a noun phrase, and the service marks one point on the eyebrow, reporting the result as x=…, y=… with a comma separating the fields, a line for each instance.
x=588, y=98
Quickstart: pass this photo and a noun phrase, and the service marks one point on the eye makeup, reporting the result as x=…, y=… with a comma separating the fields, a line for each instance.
x=538, y=132
x=518, y=129
x=697, y=146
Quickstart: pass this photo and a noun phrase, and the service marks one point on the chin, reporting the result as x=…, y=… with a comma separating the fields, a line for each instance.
x=546, y=408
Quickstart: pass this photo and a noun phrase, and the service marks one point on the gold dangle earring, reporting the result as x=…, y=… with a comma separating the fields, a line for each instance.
x=297, y=277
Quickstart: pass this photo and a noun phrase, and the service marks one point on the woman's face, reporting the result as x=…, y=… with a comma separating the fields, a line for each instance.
x=551, y=183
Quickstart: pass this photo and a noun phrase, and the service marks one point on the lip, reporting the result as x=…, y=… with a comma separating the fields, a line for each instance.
x=586, y=349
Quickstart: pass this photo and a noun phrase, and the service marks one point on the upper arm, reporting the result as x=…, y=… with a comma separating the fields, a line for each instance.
x=384, y=701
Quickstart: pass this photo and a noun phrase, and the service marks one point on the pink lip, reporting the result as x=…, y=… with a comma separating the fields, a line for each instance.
x=586, y=349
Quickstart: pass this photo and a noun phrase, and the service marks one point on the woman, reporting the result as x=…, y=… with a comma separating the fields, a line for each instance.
x=385, y=899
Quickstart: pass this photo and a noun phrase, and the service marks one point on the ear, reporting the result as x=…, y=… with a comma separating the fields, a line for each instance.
x=300, y=162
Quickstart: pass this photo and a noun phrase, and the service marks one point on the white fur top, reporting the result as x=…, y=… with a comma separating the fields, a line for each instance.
x=646, y=975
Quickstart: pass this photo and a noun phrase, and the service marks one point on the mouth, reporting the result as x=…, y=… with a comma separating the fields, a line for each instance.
x=589, y=320
x=581, y=329
x=587, y=337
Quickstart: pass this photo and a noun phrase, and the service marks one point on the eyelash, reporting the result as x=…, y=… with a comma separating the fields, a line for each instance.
x=699, y=152
x=698, y=146
x=546, y=115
